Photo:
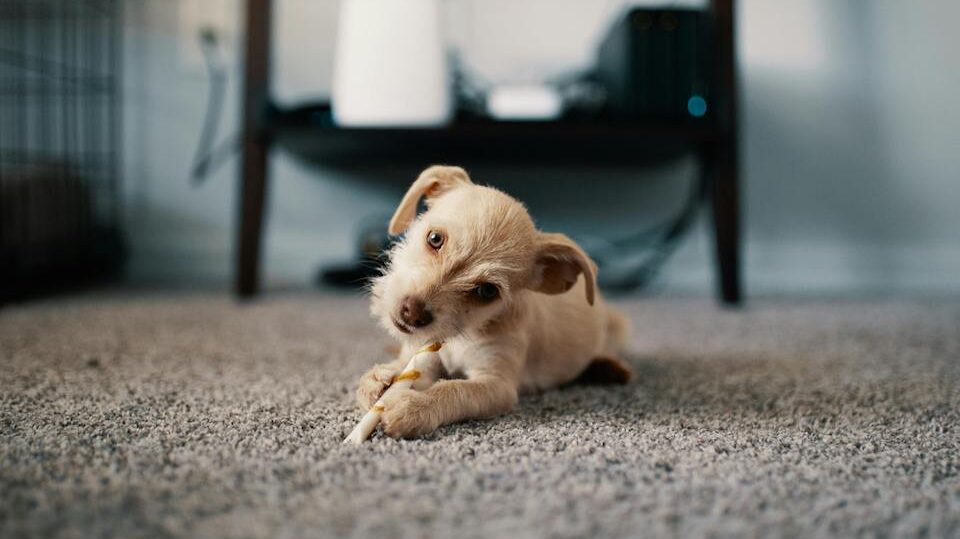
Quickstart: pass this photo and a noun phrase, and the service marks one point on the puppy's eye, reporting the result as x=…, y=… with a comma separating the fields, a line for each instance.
x=486, y=292
x=435, y=239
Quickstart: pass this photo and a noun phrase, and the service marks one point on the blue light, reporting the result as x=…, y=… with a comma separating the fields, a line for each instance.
x=697, y=106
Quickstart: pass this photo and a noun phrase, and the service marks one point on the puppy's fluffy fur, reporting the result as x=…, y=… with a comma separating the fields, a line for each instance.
x=516, y=308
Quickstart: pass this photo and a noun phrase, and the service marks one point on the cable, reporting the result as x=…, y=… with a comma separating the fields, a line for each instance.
x=668, y=239
x=208, y=157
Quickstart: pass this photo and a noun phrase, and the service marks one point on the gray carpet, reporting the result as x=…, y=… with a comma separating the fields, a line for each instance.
x=189, y=416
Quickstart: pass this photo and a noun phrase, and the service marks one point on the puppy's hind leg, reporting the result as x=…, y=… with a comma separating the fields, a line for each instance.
x=606, y=370
x=608, y=367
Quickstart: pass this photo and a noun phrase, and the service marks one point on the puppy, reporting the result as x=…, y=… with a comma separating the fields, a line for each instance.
x=517, y=309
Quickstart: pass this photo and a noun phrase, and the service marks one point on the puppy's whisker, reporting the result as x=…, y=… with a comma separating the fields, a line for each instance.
x=461, y=332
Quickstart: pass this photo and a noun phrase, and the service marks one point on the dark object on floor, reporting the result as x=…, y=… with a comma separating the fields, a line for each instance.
x=51, y=236
x=349, y=275
x=371, y=256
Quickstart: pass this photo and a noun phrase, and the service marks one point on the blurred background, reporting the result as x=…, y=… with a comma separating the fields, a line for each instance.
x=161, y=159
x=121, y=125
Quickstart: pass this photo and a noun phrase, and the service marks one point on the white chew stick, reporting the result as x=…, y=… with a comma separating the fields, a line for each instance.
x=420, y=370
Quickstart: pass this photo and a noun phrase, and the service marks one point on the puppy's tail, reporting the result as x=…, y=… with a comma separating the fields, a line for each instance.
x=618, y=331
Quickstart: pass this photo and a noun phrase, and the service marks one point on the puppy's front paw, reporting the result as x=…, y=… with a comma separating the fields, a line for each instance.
x=373, y=384
x=408, y=414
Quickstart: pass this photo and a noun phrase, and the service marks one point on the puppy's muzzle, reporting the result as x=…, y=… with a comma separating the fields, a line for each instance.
x=413, y=314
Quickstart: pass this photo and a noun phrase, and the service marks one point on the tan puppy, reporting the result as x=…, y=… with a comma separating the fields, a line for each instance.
x=516, y=308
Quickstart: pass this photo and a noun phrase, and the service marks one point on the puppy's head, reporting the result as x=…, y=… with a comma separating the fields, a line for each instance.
x=465, y=260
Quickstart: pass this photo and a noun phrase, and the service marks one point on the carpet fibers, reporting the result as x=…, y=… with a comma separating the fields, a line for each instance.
x=132, y=415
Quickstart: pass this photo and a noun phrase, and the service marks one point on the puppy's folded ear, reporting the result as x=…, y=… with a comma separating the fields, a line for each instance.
x=559, y=262
x=432, y=182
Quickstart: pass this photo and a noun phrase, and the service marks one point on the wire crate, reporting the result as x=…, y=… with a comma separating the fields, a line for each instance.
x=60, y=146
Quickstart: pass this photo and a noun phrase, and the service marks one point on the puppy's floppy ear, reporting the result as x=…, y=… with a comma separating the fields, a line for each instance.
x=432, y=182
x=559, y=262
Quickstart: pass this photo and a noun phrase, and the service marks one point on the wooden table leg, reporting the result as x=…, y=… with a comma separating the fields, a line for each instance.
x=720, y=167
x=255, y=147
x=250, y=231
x=721, y=157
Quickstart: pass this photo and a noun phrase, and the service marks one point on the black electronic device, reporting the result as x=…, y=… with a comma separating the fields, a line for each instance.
x=654, y=64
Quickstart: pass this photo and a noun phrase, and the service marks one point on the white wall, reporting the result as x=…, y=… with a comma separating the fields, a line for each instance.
x=850, y=154
x=849, y=145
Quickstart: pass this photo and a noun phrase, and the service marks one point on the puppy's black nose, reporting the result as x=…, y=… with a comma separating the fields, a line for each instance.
x=413, y=312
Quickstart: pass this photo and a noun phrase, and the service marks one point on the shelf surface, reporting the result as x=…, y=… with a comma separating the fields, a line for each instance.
x=310, y=133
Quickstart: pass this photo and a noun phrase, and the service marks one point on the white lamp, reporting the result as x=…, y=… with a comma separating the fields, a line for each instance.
x=390, y=66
